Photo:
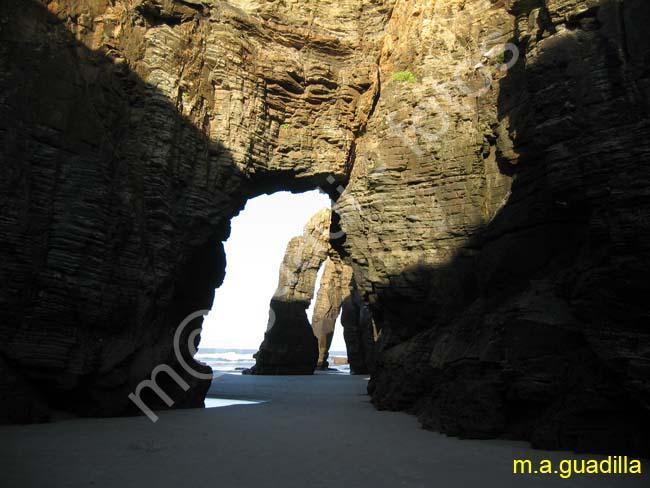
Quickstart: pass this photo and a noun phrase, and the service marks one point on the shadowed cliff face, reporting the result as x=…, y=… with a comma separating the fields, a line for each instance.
x=358, y=331
x=495, y=211
x=130, y=138
x=114, y=209
x=536, y=327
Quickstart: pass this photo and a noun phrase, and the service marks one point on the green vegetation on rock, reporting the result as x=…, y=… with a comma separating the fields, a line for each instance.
x=406, y=76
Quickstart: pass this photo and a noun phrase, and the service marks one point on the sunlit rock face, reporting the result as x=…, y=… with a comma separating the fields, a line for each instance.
x=489, y=161
x=289, y=345
x=131, y=133
x=293, y=345
x=333, y=291
x=497, y=219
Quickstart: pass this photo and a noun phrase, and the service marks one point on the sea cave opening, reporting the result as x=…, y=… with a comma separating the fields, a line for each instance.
x=263, y=254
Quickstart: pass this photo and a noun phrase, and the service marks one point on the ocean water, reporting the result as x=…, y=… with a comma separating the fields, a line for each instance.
x=236, y=360
x=226, y=360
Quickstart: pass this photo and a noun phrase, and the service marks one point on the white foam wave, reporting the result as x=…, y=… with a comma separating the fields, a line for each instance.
x=225, y=356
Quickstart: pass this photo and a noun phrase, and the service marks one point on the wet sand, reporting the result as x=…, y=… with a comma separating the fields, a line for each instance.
x=318, y=431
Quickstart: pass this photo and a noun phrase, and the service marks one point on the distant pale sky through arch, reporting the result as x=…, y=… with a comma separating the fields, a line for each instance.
x=254, y=251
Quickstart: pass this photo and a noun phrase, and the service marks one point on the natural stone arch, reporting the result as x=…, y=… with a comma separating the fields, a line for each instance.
x=289, y=346
x=131, y=138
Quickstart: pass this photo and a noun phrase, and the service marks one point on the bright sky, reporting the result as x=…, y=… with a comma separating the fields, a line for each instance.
x=254, y=252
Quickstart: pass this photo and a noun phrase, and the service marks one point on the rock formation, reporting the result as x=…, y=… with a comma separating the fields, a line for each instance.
x=289, y=345
x=359, y=331
x=497, y=219
x=332, y=292
x=132, y=132
x=488, y=159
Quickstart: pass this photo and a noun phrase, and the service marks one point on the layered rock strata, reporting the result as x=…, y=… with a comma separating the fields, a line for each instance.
x=131, y=132
x=359, y=331
x=289, y=345
x=497, y=220
x=488, y=158
x=333, y=290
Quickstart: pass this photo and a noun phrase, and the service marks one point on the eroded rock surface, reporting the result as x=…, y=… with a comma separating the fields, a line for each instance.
x=293, y=345
x=359, y=331
x=492, y=196
x=289, y=345
x=333, y=290
x=132, y=131
x=497, y=220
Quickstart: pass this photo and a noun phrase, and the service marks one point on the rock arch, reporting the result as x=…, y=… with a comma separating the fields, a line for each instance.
x=495, y=217
x=289, y=345
x=130, y=138
x=293, y=345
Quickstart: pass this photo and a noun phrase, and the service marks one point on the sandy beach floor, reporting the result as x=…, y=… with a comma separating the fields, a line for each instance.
x=318, y=431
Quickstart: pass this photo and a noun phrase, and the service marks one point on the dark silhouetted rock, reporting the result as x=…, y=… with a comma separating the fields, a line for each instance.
x=358, y=331
x=489, y=162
